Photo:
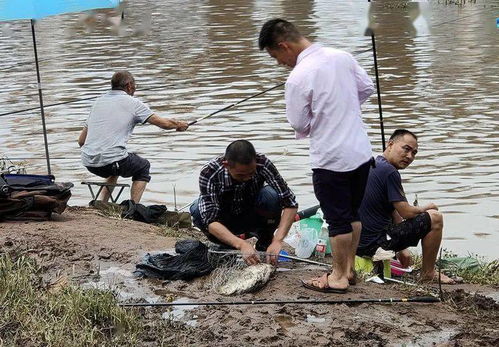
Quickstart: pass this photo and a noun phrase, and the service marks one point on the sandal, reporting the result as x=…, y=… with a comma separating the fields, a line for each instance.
x=325, y=289
x=351, y=281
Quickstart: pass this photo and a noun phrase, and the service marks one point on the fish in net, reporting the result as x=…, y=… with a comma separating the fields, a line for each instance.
x=232, y=276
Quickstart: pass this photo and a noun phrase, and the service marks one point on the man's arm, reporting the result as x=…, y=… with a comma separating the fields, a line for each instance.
x=406, y=211
x=287, y=219
x=396, y=218
x=223, y=234
x=298, y=110
x=83, y=136
x=289, y=204
x=168, y=123
x=365, y=85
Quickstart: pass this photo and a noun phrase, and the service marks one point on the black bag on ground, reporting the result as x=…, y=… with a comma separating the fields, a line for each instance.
x=32, y=196
x=141, y=213
x=191, y=263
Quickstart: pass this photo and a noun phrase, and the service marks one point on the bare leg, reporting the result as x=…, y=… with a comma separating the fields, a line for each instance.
x=105, y=193
x=356, y=227
x=137, y=190
x=431, y=244
x=342, y=246
x=405, y=258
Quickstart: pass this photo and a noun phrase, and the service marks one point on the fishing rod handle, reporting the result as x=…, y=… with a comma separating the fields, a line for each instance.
x=424, y=299
x=308, y=212
x=192, y=123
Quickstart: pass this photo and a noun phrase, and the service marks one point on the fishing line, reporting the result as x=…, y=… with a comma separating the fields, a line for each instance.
x=76, y=100
x=461, y=18
x=417, y=299
x=79, y=158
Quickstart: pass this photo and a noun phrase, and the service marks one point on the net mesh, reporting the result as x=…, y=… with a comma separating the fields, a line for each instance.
x=226, y=266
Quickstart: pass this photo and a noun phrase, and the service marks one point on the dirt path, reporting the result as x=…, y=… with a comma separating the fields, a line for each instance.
x=97, y=251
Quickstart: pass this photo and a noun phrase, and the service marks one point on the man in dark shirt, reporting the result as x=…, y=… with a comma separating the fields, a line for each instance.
x=234, y=204
x=388, y=221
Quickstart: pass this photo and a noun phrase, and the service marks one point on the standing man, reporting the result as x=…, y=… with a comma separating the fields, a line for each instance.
x=107, y=130
x=324, y=92
x=388, y=221
x=242, y=195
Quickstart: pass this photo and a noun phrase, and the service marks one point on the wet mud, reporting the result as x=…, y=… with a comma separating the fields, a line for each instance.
x=92, y=250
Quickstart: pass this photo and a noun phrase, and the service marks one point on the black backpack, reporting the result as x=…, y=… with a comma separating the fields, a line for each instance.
x=32, y=196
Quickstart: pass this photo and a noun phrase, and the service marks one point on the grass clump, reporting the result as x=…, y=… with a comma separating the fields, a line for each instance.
x=471, y=268
x=31, y=314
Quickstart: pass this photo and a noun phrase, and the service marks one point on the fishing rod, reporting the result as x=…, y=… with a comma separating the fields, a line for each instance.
x=141, y=90
x=152, y=88
x=308, y=212
x=416, y=299
x=285, y=256
x=237, y=103
x=381, y=124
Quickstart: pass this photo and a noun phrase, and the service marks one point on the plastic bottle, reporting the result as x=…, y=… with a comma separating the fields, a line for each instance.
x=320, y=249
x=324, y=234
x=321, y=246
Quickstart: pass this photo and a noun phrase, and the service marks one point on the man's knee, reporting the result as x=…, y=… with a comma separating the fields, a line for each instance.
x=195, y=214
x=437, y=219
x=268, y=203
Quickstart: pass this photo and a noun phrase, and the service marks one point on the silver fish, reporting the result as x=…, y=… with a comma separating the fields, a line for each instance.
x=247, y=280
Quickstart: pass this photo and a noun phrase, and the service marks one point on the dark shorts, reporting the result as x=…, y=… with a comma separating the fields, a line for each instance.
x=340, y=195
x=402, y=235
x=131, y=166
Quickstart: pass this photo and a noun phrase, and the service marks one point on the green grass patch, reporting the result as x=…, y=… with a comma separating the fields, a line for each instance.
x=472, y=268
x=33, y=315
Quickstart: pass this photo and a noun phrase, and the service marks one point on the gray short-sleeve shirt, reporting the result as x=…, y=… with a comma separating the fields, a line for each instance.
x=109, y=126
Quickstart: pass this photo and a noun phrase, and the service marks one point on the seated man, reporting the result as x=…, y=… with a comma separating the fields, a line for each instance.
x=388, y=221
x=107, y=130
x=234, y=204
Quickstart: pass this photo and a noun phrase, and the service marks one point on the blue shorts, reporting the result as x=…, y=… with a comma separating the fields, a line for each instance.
x=340, y=195
x=132, y=166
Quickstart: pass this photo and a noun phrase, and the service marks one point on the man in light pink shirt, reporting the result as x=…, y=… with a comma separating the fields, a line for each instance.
x=324, y=93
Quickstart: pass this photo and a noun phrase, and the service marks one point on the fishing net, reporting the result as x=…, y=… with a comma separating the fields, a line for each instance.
x=225, y=266
x=231, y=275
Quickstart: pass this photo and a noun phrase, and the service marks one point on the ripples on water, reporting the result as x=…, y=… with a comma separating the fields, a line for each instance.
x=438, y=78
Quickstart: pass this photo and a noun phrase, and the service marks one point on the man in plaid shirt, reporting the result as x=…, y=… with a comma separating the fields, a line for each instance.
x=242, y=195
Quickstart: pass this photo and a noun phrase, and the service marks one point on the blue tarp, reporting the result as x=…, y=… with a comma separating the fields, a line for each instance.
x=36, y=9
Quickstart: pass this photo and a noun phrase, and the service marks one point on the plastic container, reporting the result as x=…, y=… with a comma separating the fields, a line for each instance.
x=397, y=269
x=293, y=236
x=317, y=223
x=306, y=244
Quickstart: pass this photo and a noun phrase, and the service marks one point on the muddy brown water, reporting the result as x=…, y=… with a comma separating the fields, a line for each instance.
x=438, y=70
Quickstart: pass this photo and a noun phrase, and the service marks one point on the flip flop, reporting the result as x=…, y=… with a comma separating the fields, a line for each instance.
x=325, y=289
x=351, y=281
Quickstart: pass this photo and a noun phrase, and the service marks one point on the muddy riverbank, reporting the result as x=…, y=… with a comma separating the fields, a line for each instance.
x=92, y=250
